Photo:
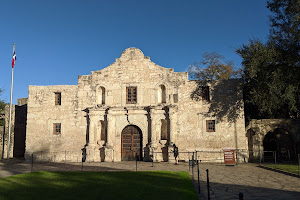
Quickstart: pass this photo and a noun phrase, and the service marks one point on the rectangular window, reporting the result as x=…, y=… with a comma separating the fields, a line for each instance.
x=131, y=94
x=57, y=98
x=210, y=126
x=205, y=93
x=56, y=128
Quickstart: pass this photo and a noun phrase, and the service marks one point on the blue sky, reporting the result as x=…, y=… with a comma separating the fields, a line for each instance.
x=58, y=40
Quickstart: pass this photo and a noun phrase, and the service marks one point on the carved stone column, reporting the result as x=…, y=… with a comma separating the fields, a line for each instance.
x=153, y=130
x=173, y=128
x=109, y=150
x=99, y=128
x=100, y=113
x=110, y=128
x=91, y=146
x=92, y=129
x=154, y=143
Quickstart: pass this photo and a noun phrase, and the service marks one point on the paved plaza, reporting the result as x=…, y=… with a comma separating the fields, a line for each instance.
x=226, y=182
x=255, y=183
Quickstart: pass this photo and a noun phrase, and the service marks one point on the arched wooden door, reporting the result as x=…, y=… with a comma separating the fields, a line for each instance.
x=131, y=143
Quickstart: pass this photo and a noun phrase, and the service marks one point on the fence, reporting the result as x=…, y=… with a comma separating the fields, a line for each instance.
x=272, y=157
x=112, y=155
x=263, y=158
x=241, y=156
x=275, y=160
x=75, y=161
x=79, y=156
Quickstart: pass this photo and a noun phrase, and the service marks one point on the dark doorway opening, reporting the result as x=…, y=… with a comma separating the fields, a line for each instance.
x=281, y=142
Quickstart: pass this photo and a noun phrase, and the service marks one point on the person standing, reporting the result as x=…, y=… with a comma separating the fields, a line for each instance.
x=175, y=151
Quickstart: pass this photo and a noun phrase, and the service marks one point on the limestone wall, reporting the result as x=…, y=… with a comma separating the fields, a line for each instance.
x=138, y=71
x=22, y=101
x=43, y=113
x=223, y=108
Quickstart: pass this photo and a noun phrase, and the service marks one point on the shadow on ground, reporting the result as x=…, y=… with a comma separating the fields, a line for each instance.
x=19, y=166
x=279, y=171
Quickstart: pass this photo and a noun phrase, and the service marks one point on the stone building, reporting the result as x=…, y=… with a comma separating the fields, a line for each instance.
x=134, y=108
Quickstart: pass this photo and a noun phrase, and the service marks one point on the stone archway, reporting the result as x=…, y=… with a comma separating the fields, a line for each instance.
x=131, y=143
x=265, y=131
x=282, y=142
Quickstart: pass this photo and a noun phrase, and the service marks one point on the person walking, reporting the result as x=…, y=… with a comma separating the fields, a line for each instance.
x=175, y=151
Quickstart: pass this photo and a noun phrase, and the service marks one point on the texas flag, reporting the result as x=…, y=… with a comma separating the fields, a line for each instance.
x=14, y=59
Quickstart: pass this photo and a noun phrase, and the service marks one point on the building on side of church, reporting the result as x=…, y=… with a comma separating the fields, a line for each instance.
x=134, y=108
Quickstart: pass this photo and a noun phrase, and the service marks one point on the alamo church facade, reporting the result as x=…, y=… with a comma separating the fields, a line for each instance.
x=133, y=108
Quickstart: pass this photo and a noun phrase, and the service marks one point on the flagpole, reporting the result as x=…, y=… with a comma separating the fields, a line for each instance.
x=10, y=107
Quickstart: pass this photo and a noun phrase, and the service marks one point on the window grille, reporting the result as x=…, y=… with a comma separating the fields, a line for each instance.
x=131, y=95
x=56, y=128
x=57, y=98
x=210, y=126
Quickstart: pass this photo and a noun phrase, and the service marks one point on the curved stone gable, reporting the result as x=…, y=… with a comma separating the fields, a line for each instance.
x=132, y=61
x=132, y=53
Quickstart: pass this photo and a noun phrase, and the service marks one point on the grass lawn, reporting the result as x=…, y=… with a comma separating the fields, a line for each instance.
x=288, y=168
x=98, y=185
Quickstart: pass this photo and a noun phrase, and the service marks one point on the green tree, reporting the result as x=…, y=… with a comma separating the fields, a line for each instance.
x=213, y=67
x=285, y=28
x=213, y=71
x=271, y=69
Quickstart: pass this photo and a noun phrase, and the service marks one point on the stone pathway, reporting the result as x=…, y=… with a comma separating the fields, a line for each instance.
x=226, y=182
